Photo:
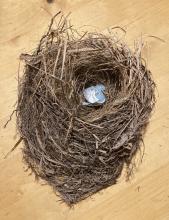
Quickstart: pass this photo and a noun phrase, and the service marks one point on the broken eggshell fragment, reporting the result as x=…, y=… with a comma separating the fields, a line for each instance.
x=94, y=95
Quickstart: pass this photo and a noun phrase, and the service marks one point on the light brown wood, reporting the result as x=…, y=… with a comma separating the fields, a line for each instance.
x=146, y=195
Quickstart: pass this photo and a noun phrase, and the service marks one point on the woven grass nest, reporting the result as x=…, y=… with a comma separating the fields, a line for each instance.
x=79, y=149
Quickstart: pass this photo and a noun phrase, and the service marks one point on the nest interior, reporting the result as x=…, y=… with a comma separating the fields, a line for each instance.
x=81, y=149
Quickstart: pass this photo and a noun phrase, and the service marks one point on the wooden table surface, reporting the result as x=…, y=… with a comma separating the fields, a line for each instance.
x=146, y=195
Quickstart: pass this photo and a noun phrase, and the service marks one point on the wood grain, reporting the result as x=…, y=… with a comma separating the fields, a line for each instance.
x=146, y=195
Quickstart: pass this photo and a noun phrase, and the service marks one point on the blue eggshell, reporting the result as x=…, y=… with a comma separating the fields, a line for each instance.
x=101, y=87
x=94, y=94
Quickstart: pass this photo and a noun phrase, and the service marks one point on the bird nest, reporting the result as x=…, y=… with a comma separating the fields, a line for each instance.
x=80, y=149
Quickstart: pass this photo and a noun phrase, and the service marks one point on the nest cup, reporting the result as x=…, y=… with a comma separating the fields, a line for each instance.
x=81, y=149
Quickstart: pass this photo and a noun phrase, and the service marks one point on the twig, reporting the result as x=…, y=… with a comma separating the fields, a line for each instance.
x=10, y=117
x=14, y=147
